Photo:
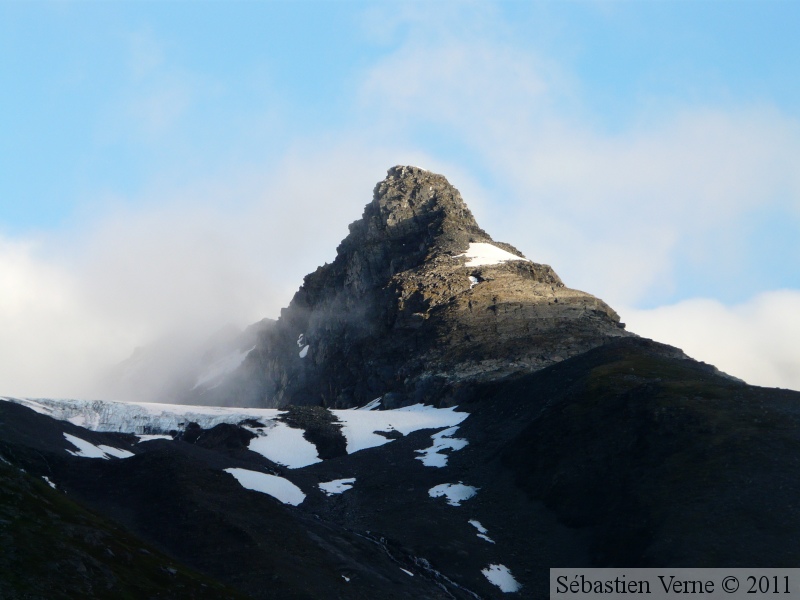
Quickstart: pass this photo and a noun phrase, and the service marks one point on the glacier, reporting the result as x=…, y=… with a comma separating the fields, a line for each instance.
x=141, y=417
x=275, y=440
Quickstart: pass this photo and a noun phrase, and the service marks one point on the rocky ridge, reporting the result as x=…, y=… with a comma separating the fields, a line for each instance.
x=406, y=312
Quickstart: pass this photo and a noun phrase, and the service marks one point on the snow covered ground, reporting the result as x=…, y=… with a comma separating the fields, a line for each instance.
x=432, y=456
x=275, y=440
x=150, y=438
x=337, y=486
x=483, y=533
x=482, y=254
x=89, y=450
x=277, y=487
x=284, y=445
x=360, y=426
x=455, y=493
x=500, y=576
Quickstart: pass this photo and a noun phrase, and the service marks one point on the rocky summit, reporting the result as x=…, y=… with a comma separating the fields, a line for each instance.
x=419, y=302
x=506, y=425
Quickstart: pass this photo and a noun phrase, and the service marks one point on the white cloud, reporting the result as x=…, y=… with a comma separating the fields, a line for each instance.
x=624, y=210
x=50, y=338
x=458, y=83
x=178, y=261
x=755, y=341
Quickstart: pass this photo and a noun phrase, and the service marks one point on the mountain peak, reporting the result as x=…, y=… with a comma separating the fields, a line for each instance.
x=410, y=196
x=418, y=300
x=414, y=213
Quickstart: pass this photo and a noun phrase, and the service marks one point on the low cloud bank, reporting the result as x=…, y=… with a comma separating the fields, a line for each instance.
x=756, y=340
x=170, y=269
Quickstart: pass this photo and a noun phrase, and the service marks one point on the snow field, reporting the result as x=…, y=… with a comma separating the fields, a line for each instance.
x=482, y=254
x=272, y=485
x=337, y=486
x=149, y=438
x=500, y=576
x=483, y=533
x=275, y=440
x=455, y=493
x=371, y=405
x=359, y=426
x=89, y=450
x=432, y=457
x=284, y=445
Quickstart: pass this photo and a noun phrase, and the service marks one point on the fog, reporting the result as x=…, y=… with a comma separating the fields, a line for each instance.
x=177, y=265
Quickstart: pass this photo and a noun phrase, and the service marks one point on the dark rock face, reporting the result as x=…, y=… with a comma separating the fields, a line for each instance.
x=400, y=312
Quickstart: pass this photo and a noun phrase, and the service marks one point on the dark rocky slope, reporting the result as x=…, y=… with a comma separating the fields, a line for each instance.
x=627, y=455
x=129, y=528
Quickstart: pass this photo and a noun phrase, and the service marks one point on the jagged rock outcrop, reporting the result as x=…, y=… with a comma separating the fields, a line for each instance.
x=404, y=310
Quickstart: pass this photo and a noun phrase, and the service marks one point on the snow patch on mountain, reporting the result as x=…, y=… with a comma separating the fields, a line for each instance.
x=149, y=438
x=275, y=440
x=500, y=576
x=360, y=427
x=455, y=493
x=284, y=445
x=89, y=450
x=480, y=254
x=371, y=405
x=483, y=533
x=277, y=487
x=432, y=457
x=337, y=486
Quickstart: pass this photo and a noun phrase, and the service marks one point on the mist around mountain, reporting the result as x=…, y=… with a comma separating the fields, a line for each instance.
x=419, y=298
x=434, y=416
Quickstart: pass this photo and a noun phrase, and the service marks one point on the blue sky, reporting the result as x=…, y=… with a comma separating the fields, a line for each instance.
x=168, y=165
